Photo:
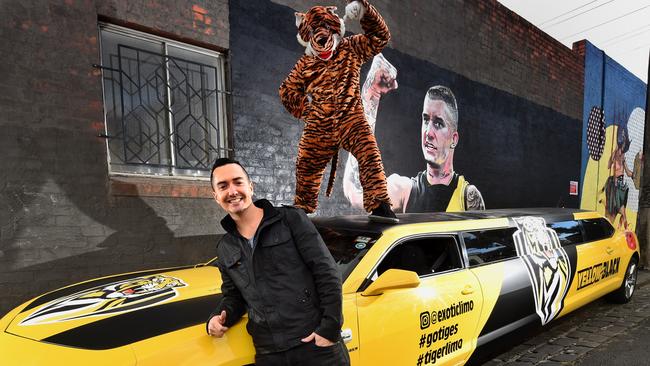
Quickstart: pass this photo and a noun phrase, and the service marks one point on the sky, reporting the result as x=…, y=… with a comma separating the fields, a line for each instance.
x=621, y=28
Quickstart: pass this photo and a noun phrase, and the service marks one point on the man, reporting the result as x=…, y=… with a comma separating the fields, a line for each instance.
x=616, y=189
x=274, y=265
x=438, y=187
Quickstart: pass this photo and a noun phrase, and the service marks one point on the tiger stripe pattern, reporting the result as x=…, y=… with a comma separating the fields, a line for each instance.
x=325, y=95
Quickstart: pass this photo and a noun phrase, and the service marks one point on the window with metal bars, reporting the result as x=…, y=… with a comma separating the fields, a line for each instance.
x=165, y=104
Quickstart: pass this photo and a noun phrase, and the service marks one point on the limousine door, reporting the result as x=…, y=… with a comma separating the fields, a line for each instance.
x=598, y=263
x=434, y=322
x=508, y=301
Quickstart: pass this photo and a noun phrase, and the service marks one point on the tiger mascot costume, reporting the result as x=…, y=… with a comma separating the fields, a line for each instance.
x=323, y=91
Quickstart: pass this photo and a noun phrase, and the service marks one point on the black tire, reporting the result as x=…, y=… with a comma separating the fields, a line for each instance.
x=624, y=293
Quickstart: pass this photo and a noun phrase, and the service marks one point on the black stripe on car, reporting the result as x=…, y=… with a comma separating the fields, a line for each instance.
x=513, y=316
x=515, y=301
x=136, y=326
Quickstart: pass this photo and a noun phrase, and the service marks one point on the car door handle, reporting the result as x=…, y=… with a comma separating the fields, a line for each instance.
x=467, y=290
x=609, y=250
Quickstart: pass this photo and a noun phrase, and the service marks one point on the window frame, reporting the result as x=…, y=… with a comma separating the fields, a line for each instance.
x=584, y=230
x=372, y=275
x=580, y=227
x=223, y=105
x=464, y=247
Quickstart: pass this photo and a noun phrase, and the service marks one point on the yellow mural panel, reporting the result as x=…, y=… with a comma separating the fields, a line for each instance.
x=623, y=169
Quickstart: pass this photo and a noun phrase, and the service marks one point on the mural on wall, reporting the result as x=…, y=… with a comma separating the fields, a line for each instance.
x=614, y=166
x=612, y=139
x=436, y=188
x=428, y=121
x=438, y=132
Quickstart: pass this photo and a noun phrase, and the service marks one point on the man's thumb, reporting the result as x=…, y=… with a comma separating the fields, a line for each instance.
x=222, y=316
x=309, y=338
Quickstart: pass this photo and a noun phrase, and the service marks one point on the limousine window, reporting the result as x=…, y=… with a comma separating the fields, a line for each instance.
x=423, y=256
x=568, y=232
x=348, y=247
x=597, y=229
x=489, y=245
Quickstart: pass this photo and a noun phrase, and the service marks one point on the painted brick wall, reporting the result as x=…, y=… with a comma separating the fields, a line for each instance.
x=263, y=49
x=643, y=223
x=61, y=219
x=507, y=52
x=622, y=99
x=480, y=42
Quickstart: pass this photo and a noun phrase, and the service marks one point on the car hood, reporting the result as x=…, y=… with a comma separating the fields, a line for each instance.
x=115, y=311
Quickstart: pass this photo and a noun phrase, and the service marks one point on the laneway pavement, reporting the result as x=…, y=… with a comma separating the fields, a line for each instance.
x=601, y=333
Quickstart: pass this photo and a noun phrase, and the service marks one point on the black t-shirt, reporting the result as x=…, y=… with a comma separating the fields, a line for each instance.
x=430, y=198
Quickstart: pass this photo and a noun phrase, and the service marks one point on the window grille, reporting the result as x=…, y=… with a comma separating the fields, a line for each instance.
x=165, y=105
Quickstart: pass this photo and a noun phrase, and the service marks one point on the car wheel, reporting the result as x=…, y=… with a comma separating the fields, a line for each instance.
x=624, y=293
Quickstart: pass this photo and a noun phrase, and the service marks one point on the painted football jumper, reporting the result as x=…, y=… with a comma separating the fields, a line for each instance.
x=425, y=197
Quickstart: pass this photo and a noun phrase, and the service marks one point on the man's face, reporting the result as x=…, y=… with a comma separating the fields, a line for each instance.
x=232, y=189
x=438, y=132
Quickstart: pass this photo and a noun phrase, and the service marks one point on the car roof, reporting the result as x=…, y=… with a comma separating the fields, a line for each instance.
x=363, y=223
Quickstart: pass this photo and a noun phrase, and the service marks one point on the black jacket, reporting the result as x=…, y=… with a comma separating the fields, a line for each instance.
x=289, y=283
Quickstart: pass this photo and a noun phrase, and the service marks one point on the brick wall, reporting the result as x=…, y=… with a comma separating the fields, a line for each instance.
x=62, y=219
x=479, y=45
x=485, y=42
x=198, y=22
x=643, y=224
x=622, y=97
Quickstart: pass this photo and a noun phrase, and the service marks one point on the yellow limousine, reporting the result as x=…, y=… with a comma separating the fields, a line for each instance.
x=436, y=288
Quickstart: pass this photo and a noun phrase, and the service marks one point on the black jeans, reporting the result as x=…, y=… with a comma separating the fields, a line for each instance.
x=308, y=354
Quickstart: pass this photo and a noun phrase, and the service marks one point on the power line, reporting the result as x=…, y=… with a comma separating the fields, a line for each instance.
x=565, y=13
x=631, y=50
x=635, y=31
x=586, y=11
x=616, y=45
x=640, y=47
x=607, y=22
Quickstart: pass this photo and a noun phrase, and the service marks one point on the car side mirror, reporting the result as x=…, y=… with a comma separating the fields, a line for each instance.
x=392, y=279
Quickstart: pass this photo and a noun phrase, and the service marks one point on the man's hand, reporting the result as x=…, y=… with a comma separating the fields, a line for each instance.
x=381, y=79
x=216, y=326
x=382, y=83
x=320, y=341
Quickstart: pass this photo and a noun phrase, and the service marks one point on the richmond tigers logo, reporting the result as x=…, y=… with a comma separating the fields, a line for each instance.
x=121, y=296
x=547, y=263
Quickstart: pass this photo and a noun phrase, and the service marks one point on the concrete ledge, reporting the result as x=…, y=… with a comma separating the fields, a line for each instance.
x=159, y=187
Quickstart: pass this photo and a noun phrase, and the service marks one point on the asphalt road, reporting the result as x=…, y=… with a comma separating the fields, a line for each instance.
x=600, y=333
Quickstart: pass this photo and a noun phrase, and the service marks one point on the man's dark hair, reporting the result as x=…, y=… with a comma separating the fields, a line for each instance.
x=443, y=93
x=225, y=161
